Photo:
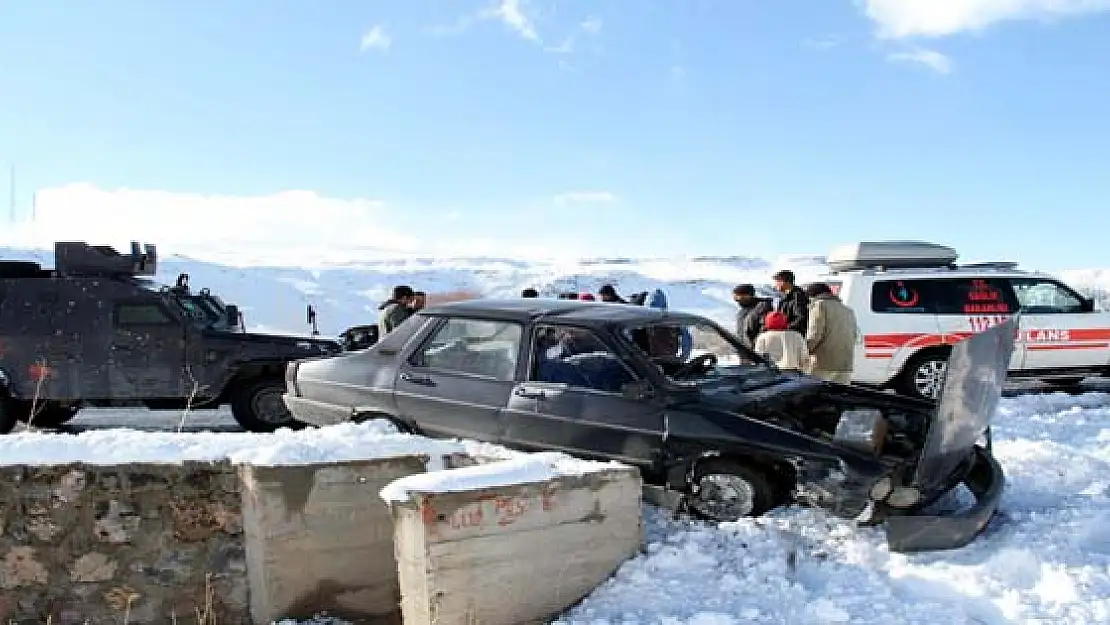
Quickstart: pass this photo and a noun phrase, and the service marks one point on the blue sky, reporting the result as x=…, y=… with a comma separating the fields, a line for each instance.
x=646, y=128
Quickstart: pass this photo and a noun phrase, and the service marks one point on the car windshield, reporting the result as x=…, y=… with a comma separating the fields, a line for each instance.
x=690, y=351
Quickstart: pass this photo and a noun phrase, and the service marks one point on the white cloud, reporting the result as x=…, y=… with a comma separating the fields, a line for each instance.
x=591, y=25
x=923, y=56
x=271, y=226
x=586, y=197
x=375, y=39
x=936, y=18
x=510, y=13
x=290, y=228
x=823, y=43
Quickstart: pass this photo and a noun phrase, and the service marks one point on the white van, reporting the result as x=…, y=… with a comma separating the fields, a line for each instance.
x=912, y=302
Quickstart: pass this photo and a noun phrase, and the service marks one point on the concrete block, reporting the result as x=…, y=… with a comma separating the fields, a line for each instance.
x=320, y=539
x=513, y=554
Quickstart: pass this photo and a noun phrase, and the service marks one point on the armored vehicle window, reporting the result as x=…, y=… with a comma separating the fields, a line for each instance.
x=903, y=297
x=974, y=296
x=1039, y=296
x=477, y=347
x=578, y=358
x=140, y=315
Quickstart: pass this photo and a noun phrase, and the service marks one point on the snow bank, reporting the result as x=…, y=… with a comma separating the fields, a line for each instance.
x=348, y=441
x=517, y=469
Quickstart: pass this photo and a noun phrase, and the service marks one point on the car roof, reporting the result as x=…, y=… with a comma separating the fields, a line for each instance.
x=524, y=310
x=935, y=274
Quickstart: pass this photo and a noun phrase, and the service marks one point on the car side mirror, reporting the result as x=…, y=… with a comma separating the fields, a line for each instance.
x=639, y=389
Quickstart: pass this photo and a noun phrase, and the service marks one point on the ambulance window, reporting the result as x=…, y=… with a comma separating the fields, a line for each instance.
x=974, y=296
x=1040, y=297
x=902, y=297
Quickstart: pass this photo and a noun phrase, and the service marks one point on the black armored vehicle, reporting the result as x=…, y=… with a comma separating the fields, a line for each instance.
x=712, y=426
x=97, y=330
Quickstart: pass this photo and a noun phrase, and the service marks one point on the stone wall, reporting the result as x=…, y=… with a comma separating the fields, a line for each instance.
x=95, y=544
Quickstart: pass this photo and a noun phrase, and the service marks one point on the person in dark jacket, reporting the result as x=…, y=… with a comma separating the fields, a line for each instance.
x=396, y=309
x=752, y=311
x=608, y=293
x=529, y=293
x=794, y=301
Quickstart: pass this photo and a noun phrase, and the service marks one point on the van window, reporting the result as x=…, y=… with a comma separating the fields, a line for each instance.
x=902, y=297
x=1039, y=296
x=974, y=296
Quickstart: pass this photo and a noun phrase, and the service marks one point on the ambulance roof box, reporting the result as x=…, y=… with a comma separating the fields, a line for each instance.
x=890, y=255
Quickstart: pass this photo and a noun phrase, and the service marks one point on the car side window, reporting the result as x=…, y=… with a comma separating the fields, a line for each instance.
x=578, y=358
x=127, y=315
x=1039, y=297
x=903, y=297
x=478, y=347
x=974, y=296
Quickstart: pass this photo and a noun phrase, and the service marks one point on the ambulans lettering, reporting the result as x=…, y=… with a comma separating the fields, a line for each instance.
x=1053, y=335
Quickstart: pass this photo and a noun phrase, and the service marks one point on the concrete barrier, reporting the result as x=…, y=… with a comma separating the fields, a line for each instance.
x=511, y=542
x=243, y=543
x=320, y=539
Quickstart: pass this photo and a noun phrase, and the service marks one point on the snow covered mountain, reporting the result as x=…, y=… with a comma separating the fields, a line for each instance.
x=274, y=298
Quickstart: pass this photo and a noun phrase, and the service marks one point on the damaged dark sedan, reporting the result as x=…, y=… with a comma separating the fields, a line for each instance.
x=711, y=425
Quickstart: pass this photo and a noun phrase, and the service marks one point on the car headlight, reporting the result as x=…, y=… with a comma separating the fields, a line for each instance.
x=903, y=497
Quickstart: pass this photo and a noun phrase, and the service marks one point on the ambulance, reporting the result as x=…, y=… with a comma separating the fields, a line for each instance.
x=913, y=301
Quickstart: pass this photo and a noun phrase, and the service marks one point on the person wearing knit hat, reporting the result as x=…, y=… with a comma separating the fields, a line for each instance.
x=783, y=346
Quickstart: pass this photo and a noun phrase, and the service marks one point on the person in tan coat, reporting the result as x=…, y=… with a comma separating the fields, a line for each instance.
x=831, y=335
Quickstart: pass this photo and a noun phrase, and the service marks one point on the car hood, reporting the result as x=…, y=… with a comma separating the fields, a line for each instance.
x=968, y=400
x=296, y=346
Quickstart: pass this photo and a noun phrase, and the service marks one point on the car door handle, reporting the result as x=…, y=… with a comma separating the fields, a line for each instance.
x=530, y=392
x=422, y=380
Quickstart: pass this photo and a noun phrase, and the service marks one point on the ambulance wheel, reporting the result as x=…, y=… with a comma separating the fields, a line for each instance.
x=924, y=374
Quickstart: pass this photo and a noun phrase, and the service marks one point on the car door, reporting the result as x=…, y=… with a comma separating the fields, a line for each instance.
x=1060, y=330
x=571, y=400
x=147, y=353
x=457, y=381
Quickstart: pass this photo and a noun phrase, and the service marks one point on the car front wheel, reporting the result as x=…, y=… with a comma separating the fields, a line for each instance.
x=724, y=490
x=258, y=407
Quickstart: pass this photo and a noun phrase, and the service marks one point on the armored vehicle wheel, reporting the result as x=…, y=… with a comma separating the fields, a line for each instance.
x=258, y=407
x=51, y=416
x=724, y=490
x=7, y=416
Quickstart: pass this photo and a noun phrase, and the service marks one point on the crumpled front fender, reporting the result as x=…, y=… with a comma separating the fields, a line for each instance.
x=915, y=533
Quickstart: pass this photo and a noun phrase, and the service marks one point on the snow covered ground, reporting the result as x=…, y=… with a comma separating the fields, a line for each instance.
x=1046, y=559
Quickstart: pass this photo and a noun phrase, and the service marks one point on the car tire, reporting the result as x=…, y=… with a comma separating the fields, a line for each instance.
x=923, y=372
x=258, y=407
x=8, y=419
x=747, y=491
x=52, y=417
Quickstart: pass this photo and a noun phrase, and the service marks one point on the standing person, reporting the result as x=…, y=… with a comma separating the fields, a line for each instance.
x=752, y=310
x=785, y=347
x=396, y=309
x=608, y=293
x=794, y=302
x=832, y=335
x=529, y=293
